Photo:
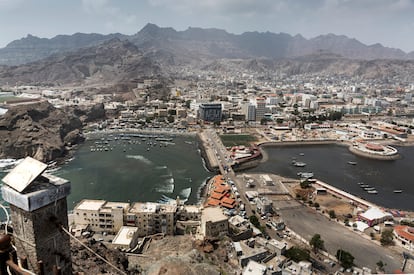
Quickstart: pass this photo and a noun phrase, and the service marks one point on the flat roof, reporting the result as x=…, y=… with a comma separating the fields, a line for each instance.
x=125, y=235
x=124, y=205
x=213, y=214
x=92, y=205
x=192, y=208
x=152, y=207
x=374, y=213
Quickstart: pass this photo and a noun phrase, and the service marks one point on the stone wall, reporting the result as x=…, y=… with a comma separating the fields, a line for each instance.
x=38, y=236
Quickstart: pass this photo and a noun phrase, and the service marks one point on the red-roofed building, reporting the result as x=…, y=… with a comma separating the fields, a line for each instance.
x=213, y=202
x=405, y=236
x=216, y=196
x=228, y=202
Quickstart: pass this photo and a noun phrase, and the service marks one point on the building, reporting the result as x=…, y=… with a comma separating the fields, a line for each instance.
x=374, y=216
x=260, y=108
x=126, y=238
x=213, y=223
x=254, y=268
x=405, y=236
x=249, y=110
x=210, y=112
x=267, y=180
x=152, y=218
x=39, y=213
x=100, y=216
x=264, y=205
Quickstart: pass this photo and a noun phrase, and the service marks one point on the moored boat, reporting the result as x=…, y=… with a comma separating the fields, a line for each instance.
x=352, y=162
x=372, y=192
x=299, y=164
x=397, y=191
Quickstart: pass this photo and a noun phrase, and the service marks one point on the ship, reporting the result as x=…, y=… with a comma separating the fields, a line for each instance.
x=397, y=191
x=372, y=192
x=352, y=162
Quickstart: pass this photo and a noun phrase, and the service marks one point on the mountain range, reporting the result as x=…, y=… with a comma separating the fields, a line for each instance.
x=117, y=59
x=198, y=42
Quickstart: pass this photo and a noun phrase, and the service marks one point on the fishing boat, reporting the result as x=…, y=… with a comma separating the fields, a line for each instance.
x=298, y=163
x=305, y=174
x=372, y=192
x=369, y=188
x=397, y=191
x=352, y=162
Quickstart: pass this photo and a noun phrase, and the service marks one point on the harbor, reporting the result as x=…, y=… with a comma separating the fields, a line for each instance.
x=340, y=168
x=134, y=167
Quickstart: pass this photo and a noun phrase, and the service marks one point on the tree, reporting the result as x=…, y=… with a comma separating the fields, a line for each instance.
x=255, y=221
x=317, y=243
x=304, y=184
x=332, y=214
x=345, y=258
x=298, y=254
x=386, y=237
x=187, y=104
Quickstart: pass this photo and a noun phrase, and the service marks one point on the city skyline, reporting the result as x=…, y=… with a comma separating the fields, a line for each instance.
x=388, y=22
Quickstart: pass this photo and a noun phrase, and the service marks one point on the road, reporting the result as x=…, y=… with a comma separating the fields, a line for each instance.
x=306, y=222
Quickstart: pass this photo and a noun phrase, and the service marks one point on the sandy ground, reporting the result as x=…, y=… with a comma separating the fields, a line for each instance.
x=330, y=202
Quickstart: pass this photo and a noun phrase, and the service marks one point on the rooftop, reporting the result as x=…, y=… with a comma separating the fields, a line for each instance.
x=213, y=214
x=125, y=235
x=91, y=205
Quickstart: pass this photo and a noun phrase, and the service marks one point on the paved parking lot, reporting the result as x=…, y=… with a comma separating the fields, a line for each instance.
x=306, y=222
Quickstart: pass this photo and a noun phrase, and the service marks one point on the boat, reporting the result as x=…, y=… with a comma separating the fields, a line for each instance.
x=397, y=191
x=305, y=174
x=352, y=162
x=369, y=188
x=301, y=154
x=372, y=192
x=360, y=183
x=299, y=164
x=365, y=185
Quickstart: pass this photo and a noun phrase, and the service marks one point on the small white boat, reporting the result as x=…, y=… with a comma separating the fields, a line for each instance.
x=372, y=192
x=299, y=164
x=352, y=162
x=397, y=191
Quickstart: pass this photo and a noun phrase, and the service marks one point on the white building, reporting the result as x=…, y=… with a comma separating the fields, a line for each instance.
x=127, y=237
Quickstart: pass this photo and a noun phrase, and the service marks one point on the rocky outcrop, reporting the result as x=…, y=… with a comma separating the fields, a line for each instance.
x=43, y=131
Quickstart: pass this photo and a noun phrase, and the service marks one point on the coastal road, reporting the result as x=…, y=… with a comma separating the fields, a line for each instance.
x=306, y=222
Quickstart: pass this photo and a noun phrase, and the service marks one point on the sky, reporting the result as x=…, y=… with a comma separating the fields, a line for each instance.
x=389, y=22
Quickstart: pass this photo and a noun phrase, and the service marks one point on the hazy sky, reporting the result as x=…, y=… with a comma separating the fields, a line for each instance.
x=389, y=22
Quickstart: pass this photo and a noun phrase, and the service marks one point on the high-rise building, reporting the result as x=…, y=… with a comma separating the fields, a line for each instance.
x=260, y=108
x=249, y=110
x=39, y=212
x=210, y=112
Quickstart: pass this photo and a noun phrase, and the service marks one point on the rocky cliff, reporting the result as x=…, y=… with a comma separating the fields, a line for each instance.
x=43, y=131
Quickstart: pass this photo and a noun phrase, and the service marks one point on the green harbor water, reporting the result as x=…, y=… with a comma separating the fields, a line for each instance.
x=129, y=169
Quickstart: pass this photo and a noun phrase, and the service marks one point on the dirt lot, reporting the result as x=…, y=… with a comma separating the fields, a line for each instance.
x=183, y=255
x=331, y=202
